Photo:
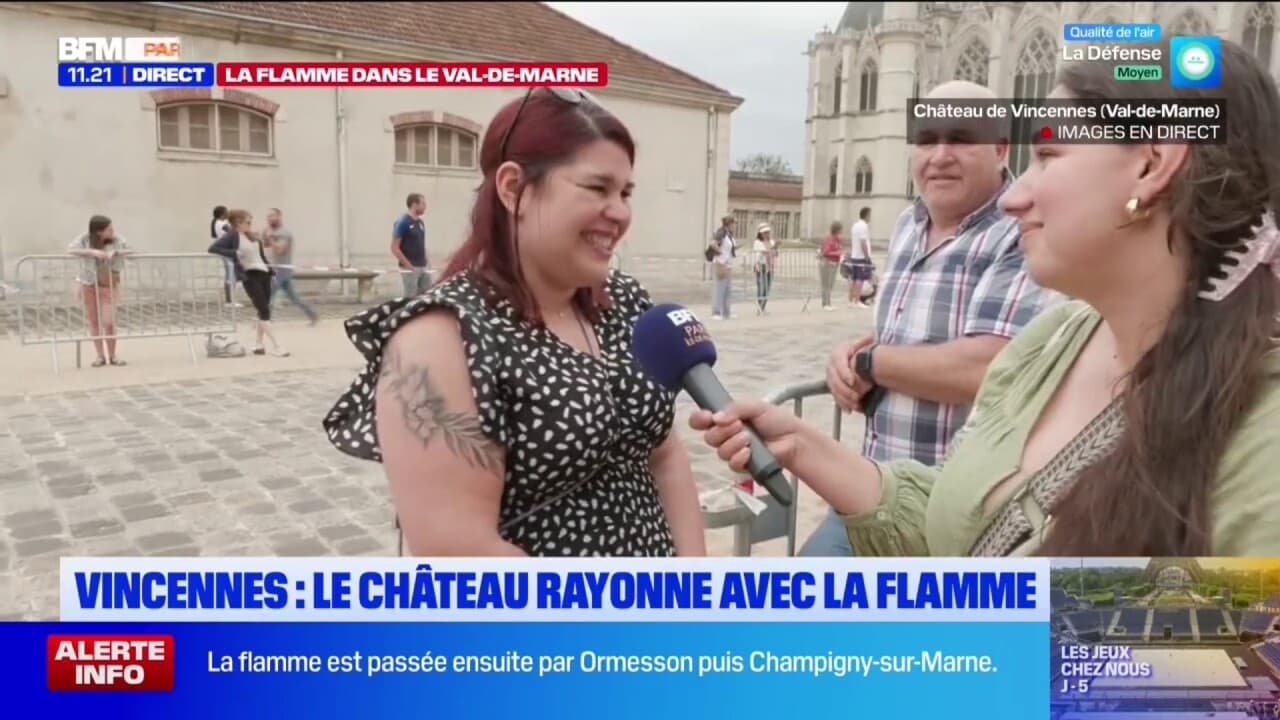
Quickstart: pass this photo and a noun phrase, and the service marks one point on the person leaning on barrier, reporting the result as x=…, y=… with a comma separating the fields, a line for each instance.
x=954, y=291
x=504, y=402
x=102, y=261
x=1141, y=418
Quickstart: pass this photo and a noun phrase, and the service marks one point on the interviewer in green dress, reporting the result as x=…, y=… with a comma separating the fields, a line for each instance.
x=1141, y=418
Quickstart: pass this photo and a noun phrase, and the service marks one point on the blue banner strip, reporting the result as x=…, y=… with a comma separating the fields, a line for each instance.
x=160, y=74
x=165, y=74
x=914, y=670
x=90, y=74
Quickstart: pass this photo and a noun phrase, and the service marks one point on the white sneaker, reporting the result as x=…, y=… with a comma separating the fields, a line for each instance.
x=716, y=317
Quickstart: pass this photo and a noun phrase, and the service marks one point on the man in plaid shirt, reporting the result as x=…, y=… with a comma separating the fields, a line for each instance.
x=954, y=291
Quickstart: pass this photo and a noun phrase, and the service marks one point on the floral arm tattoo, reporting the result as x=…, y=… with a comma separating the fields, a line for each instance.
x=425, y=415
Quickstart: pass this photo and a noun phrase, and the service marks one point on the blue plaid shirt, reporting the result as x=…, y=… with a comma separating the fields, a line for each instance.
x=973, y=283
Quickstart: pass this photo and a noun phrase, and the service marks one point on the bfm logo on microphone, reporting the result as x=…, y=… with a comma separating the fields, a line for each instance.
x=682, y=316
x=694, y=331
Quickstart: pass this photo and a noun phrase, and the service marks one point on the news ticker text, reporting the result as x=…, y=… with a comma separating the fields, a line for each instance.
x=1018, y=121
x=146, y=662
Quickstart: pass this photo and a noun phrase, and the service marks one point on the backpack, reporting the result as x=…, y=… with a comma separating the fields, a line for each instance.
x=717, y=240
x=224, y=346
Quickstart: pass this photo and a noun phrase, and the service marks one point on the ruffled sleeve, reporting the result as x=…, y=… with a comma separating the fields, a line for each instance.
x=351, y=422
x=897, y=527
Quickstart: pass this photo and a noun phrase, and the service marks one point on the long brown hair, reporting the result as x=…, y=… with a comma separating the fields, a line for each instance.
x=97, y=224
x=1190, y=392
x=547, y=133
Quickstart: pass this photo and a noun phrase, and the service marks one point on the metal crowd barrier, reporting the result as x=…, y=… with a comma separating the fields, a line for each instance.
x=152, y=295
x=376, y=280
x=786, y=281
x=797, y=275
x=775, y=521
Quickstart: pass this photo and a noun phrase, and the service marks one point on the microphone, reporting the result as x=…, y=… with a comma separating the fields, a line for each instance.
x=675, y=350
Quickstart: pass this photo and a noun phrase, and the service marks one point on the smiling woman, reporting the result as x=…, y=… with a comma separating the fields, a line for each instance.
x=504, y=402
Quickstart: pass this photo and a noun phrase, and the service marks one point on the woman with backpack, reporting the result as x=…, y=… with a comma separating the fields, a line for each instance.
x=720, y=254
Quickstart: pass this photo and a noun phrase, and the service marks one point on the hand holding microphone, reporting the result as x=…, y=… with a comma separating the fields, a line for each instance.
x=728, y=431
x=674, y=349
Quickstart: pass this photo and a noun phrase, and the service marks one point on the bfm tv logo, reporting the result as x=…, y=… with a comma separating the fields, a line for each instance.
x=695, y=333
x=682, y=317
x=109, y=662
x=118, y=49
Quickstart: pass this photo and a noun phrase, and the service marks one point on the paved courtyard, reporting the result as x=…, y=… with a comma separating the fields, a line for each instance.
x=227, y=457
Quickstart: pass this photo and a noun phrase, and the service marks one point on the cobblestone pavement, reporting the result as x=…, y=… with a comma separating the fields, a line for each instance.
x=239, y=466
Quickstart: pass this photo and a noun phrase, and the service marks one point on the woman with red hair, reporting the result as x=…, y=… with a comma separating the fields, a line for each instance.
x=504, y=403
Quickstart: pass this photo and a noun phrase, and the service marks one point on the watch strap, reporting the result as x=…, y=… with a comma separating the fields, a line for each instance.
x=863, y=364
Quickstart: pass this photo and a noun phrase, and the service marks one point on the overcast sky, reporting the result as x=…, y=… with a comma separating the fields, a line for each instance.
x=752, y=50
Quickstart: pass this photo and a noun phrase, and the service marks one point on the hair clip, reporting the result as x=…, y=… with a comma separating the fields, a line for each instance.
x=1262, y=248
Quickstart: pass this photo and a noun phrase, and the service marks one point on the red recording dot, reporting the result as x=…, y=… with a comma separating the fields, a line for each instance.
x=1046, y=132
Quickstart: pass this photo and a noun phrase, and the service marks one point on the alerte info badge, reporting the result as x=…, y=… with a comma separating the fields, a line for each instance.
x=479, y=638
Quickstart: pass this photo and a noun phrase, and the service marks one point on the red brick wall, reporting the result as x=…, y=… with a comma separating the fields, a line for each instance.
x=231, y=96
x=419, y=117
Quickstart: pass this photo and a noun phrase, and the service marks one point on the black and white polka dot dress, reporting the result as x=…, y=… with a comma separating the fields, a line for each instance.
x=562, y=415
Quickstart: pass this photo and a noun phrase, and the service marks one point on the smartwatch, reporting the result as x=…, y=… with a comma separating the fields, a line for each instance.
x=862, y=364
x=863, y=367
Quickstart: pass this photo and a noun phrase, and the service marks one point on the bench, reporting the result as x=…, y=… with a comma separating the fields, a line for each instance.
x=364, y=278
